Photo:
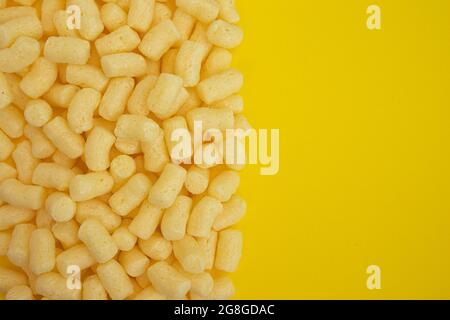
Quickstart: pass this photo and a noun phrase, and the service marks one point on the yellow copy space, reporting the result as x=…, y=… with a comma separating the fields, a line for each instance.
x=365, y=149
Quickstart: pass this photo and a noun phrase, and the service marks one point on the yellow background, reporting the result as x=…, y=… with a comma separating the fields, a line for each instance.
x=365, y=149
